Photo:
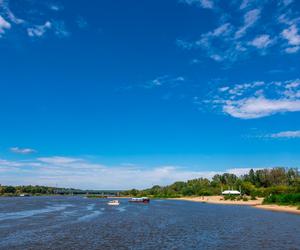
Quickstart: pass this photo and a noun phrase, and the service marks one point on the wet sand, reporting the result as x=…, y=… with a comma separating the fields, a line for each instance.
x=255, y=203
x=277, y=208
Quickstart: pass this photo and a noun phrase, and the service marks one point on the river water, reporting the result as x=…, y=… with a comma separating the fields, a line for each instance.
x=79, y=223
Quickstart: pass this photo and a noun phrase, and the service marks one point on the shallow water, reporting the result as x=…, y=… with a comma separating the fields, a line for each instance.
x=78, y=223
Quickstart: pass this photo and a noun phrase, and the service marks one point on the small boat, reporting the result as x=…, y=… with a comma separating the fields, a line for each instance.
x=140, y=200
x=24, y=195
x=113, y=203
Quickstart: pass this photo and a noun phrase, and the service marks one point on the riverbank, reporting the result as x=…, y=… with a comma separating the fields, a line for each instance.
x=254, y=203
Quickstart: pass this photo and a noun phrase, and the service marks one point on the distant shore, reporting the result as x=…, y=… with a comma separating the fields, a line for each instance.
x=254, y=203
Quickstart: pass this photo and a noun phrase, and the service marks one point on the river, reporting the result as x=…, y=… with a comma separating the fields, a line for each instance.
x=79, y=223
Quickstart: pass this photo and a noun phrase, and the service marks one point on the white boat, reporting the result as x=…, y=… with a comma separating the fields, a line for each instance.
x=113, y=203
x=140, y=200
x=24, y=195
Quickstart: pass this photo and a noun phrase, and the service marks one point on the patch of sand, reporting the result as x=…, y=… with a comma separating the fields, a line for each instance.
x=255, y=203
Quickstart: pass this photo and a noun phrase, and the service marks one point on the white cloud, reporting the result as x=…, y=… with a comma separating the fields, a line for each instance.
x=217, y=57
x=18, y=150
x=9, y=20
x=59, y=160
x=292, y=50
x=250, y=18
x=261, y=41
x=206, y=4
x=286, y=134
x=56, y=7
x=39, y=30
x=258, y=99
x=80, y=173
x=238, y=33
x=257, y=107
x=244, y=4
x=222, y=30
x=293, y=38
x=164, y=81
x=4, y=25
x=291, y=35
x=226, y=42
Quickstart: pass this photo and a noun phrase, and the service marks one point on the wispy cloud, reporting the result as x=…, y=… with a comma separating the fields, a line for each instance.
x=81, y=22
x=261, y=41
x=18, y=150
x=32, y=24
x=258, y=99
x=286, y=134
x=292, y=36
x=163, y=81
x=206, y=4
x=39, y=30
x=4, y=25
x=81, y=173
x=59, y=160
x=248, y=30
x=257, y=107
x=250, y=18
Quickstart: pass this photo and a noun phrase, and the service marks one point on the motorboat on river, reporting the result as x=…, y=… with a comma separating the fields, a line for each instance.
x=113, y=203
x=140, y=200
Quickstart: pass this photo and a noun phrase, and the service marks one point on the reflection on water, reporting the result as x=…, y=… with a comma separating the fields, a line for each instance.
x=77, y=223
x=89, y=216
x=28, y=213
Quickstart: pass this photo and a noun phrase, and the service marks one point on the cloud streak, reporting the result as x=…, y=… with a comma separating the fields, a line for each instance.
x=24, y=151
x=248, y=32
x=286, y=134
x=81, y=173
x=4, y=25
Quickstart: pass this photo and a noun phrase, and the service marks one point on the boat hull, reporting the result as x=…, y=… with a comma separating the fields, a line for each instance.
x=140, y=201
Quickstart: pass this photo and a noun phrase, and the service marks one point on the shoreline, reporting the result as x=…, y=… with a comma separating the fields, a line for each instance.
x=252, y=203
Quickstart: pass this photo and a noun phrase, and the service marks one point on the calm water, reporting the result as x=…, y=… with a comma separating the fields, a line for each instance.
x=78, y=223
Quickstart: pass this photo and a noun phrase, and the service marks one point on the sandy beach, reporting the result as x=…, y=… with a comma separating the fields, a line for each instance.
x=255, y=203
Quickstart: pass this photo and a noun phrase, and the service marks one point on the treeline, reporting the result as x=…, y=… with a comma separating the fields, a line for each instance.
x=41, y=190
x=260, y=183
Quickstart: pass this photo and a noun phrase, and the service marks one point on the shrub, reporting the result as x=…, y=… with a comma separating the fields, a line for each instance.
x=245, y=199
x=232, y=198
x=283, y=199
x=226, y=197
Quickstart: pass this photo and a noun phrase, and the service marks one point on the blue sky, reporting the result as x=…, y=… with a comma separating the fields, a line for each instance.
x=121, y=94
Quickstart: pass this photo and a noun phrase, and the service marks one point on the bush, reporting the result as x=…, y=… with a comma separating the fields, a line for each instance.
x=245, y=199
x=283, y=199
x=226, y=197
x=232, y=198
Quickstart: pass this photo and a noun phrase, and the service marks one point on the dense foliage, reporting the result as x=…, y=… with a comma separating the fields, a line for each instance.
x=43, y=190
x=256, y=183
x=283, y=199
x=35, y=190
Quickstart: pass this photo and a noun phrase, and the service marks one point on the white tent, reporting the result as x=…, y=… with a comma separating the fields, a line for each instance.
x=231, y=192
